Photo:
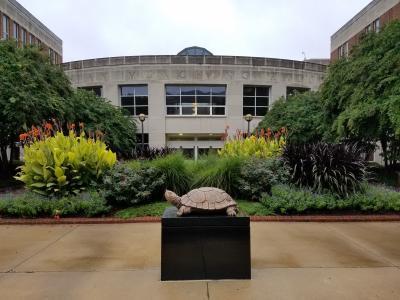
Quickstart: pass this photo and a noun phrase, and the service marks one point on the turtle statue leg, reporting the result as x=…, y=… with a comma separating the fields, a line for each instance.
x=231, y=211
x=183, y=210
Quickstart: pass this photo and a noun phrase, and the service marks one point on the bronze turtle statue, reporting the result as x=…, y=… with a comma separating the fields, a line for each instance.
x=202, y=200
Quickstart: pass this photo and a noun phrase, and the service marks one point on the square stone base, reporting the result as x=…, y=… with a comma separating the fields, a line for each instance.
x=197, y=247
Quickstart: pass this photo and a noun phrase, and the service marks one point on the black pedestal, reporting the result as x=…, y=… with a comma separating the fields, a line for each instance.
x=204, y=247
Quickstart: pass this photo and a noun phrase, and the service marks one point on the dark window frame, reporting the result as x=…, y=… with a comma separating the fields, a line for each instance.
x=5, y=27
x=255, y=107
x=290, y=90
x=133, y=108
x=93, y=89
x=15, y=31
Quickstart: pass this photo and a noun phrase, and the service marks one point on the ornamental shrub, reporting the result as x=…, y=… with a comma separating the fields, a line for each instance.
x=63, y=165
x=292, y=200
x=337, y=168
x=257, y=176
x=261, y=146
x=33, y=205
x=125, y=185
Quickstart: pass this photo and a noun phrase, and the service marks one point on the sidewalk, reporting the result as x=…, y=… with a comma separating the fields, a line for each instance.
x=122, y=261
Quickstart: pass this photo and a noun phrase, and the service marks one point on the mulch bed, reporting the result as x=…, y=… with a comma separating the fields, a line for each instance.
x=108, y=220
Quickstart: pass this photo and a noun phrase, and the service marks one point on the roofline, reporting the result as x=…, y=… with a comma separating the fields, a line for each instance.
x=194, y=60
x=356, y=17
x=38, y=22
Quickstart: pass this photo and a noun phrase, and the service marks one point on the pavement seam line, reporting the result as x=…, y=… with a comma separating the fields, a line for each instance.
x=208, y=292
x=12, y=269
x=139, y=270
x=361, y=246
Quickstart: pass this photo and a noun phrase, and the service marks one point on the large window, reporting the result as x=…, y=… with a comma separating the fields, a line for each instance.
x=97, y=90
x=31, y=39
x=291, y=90
x=134, y=98
x=376, y=25
x=6, y=25
x=51, y=55
x=344, y=50
x=24, y=37
x=255, y=100
x=200, y=100
x=15, y=31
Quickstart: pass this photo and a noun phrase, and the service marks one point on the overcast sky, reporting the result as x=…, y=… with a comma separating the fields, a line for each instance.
x=269, y=28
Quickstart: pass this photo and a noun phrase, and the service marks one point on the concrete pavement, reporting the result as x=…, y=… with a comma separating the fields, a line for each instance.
x=122, y=261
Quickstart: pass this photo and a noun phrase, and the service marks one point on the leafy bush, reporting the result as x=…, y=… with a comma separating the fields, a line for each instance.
x=32, y=205
x=291, y=200
x=338, y=168
x=175, y=172
x=124, y=185
x=63, y=165
x=302, y=115
x=389, y=176
x=221, y=173
x=257, y=176
x=253, y=146
x=100, y=114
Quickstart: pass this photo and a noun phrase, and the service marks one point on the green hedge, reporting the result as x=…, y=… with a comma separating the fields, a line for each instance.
x=290, y=200
x=30, y=205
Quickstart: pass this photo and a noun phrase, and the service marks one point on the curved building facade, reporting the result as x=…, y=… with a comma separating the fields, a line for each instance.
x=189, y=100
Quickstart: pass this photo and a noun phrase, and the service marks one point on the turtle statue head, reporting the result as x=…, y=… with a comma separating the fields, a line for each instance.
x=172, y=198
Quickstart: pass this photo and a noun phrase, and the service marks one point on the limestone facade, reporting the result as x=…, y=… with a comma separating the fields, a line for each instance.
x=157, y=72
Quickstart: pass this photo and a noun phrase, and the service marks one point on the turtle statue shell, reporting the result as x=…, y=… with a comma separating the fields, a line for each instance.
x=203, y=199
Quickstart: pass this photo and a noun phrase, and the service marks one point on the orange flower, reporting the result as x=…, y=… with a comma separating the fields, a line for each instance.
x=35, y=132
x=23, y=136
x=269, y=133
x=48, y=126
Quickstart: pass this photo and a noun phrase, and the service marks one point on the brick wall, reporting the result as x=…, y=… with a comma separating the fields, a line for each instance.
x=45, y=48
x=391, y=15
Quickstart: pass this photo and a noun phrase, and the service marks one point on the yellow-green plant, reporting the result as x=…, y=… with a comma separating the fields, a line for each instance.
x=61, y=165
x=253, y=146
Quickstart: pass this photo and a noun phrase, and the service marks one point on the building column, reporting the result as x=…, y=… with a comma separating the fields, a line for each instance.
x=156, y=117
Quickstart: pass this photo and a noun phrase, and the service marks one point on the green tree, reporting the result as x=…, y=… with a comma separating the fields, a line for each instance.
x=31, y=90
x=301, y=114
x=99, y=114
x=362, y=93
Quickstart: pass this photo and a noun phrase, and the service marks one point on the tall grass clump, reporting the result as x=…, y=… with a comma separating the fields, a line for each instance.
x=222, y=173
x=174, y=169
